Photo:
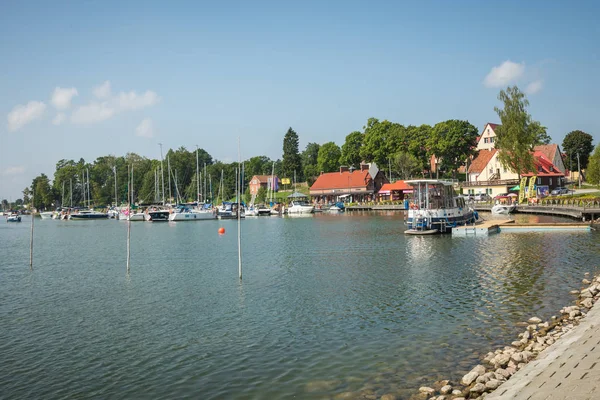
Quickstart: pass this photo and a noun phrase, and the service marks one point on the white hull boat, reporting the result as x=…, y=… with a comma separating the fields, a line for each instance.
x=192, y=215
x=300, y=207
x=503, y=209
x=47, y=215
x=88, y=214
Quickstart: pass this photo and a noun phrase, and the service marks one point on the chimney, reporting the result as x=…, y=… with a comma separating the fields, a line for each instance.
x=343, y=169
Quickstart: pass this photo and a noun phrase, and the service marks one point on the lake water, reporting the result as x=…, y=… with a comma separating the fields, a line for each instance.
x=328, y=304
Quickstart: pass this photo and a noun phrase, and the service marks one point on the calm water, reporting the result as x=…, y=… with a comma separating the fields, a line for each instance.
x=328, y=304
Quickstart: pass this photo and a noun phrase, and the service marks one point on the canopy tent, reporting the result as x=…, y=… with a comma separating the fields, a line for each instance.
x=297, y=195
x=515, y=188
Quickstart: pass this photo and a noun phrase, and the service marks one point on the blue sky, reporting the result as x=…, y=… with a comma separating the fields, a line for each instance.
x=86, y=79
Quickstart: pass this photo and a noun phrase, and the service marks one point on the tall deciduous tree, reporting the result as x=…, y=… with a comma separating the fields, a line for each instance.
x=381, y=141
x=406, y=165
x=329, y=157
x=452, y=142
x=518, y=133
x=593, y=167
x=416, y=138
x=291, y=157
x=541, y=136
x=310, y=161
x=351, y=149
x=42, y=192
x=578, y=142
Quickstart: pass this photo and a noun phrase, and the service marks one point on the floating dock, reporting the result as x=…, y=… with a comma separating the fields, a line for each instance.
x=489, y=227
x=480, y=229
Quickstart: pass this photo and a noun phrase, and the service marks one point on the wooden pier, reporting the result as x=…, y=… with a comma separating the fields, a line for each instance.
x=490, y=226
x=480, y=229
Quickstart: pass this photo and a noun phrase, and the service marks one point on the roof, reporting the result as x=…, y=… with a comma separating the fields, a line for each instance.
x=482, y=159
x=342, y=180
x=262, y=178
x=398, y=185
x=549, y=150
x=493, y=126
x=547, y=168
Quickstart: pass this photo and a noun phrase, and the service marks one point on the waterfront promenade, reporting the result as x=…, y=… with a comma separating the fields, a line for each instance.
x=569, y=369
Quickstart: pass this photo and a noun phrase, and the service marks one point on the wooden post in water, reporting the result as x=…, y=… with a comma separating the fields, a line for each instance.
x=239, y=212
x=130, y=196
x=31, y=240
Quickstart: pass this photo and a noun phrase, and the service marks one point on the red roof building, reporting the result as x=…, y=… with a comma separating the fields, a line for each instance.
x=355, y=185
x=394, y=191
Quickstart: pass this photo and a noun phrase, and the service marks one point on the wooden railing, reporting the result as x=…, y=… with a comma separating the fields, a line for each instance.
x=499, y=182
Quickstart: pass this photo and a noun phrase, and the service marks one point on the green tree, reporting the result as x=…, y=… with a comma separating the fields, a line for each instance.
x=291, y=161
x=328, y=159
x=381, y=141
x=541, y=137
x=593, y=167
x=247, y=196
x=416, y=139
x=42, y=192
x=261, y=195
x=351, y=149
x=26, y=195
x=518, y=133
x=452, y=142
x=406, y=165
x=310, y=161
x=5, y=205
x=578, y=142
x=259, y=165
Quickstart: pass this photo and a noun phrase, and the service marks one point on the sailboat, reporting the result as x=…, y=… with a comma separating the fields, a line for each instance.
x=86, y=212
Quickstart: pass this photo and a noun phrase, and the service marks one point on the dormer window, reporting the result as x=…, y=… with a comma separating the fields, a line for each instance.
x=551, y=169
x=539, y=168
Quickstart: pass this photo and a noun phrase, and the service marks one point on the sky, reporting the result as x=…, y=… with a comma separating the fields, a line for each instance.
x=84, y=79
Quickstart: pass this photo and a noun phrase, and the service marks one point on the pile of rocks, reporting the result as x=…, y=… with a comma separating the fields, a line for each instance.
x=500, y=365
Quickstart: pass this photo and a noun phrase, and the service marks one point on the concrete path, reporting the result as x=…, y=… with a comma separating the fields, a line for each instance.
x=569, y=369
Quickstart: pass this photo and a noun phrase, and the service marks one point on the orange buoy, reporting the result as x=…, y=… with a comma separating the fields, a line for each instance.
x=221, y=231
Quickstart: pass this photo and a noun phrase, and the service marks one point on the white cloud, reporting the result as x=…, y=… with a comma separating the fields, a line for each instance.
x=92, y=113
x=145, y=129
x=133, y=101
x=504, y=74
x=534, y=87
x=102, y=91
x=17, y=170
x=59, y=119
x=61, y=97
x=22, y=115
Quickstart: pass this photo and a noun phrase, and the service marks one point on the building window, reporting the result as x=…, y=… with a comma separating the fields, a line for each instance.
x=491, y=140
x=550, y=183
x=539, y=181
x=485, y=140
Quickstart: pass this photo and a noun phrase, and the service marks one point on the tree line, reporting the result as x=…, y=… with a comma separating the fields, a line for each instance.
x=402, y=151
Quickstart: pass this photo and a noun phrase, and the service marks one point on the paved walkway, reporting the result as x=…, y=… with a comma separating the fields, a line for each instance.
x=569, y=369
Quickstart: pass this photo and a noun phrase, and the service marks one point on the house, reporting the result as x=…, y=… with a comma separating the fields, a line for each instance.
x=552, y=153
x=488, y=175
x=259, y=181
x=394, y=191
x=488, y=137
x=348, y=184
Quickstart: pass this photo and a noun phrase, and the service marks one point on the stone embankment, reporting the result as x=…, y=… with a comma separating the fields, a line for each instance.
x=499, y=366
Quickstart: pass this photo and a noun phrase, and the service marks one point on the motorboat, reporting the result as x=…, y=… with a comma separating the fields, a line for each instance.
x=87, y=214
x=263, y=210
x=156, y=214
x=300, y=207
x=188, y=214
x=503, y=209
x=47, y=214
x=435, y=206
x=113, y=213
x=13, y=217
x=337, y=208
x=127, y=214
x=229, y=210
x=251, y=212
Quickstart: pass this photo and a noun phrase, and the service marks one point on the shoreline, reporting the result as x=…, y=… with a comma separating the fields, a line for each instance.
x=494, y=373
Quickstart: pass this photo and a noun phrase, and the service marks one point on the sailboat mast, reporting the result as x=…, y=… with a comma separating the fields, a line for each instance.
x=162, y=174
x=62, y=195
x=272, y=182
x=197, y=179
x=116, y=196
x=88, y=188
x=71, y=191
x=169, y=174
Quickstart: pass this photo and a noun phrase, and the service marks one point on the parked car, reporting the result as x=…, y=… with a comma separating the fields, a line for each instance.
x=559, y=190
x=482, y=197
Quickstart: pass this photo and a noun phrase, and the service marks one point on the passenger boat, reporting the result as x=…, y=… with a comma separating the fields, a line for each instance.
x=87, y=214
x=436, y=207
x=14, y=217
x=503, y=209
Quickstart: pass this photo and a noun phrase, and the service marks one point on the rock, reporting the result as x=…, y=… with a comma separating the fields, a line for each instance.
x=574, y=292
x=482, y=379
x=549, y=341
x=501, y=360
x=511, y=371
x=492, y=384
x=527, y=356
x=472, y=375
x=346, y=396
x=534, y=320
x=517, y=357
x=585, y=293
x=440, y=398
x=574, y=314
x=538, y=347
x=459, y=398
x=456, y=392
x=512, y=364
x=544, y=325
x=587, y=303
x=478, y=388
x=446, y=389
x=585, y=281
x=521, y=365
x=593, y=290
x=503, y=372
x=526, y=335
x=540, y=339
x=532, y=327
x=427, y=390
x=389, y=396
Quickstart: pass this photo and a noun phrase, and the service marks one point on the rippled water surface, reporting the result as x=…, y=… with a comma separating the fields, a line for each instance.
x=328, y=304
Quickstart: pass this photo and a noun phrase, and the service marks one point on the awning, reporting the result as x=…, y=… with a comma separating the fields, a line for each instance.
x=515, y=188
x=384, y=192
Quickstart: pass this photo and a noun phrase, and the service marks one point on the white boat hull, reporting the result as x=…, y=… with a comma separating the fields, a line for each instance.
x=192, y=216
x=500, y=209
x=296, y=209
x=47, y=215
